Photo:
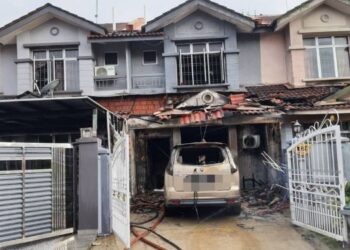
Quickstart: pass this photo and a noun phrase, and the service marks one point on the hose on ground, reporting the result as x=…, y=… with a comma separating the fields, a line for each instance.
x=160, y=236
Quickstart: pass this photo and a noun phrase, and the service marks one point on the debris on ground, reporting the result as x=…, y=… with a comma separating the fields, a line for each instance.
x=264, y=200
x=241, y=225
x=96, y=243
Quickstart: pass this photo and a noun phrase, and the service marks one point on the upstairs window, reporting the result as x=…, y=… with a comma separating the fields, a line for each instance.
x=327, y=57
x=150, y=57
x=201, y=63
x=52, y=64
x=111, y=58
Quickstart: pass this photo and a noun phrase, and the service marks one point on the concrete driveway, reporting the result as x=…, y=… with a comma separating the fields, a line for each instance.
x=216, y=230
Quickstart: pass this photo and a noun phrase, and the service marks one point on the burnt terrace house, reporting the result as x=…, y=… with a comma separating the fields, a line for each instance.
x=200, y=71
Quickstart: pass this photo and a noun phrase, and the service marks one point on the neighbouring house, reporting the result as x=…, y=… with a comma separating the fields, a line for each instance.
x=198, y=71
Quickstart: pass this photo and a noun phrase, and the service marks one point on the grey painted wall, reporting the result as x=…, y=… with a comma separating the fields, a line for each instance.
x=88, y=184
x=249, y=59
x=242, y=53
x=137, y=49
x=213, y=28
x=99, y=51
x=68, y=34
x=8, y=74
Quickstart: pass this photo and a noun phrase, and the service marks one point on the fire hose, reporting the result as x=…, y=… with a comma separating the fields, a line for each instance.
x=148, y=205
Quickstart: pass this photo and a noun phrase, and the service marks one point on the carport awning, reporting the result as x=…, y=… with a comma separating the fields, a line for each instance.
x=48, y=115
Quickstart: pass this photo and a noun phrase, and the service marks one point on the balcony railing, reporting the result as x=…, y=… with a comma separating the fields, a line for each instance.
x=111, y=83
x=153, y=81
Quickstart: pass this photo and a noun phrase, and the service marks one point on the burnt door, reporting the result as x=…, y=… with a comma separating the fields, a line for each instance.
x=158, y=158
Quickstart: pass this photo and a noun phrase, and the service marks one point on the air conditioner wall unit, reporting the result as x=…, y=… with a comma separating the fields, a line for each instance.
x=103, y=71
x=251, y=141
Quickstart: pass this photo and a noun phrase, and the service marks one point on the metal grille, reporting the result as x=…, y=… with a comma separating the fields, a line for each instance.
x=60, y=64
x=200, y=64
x=148, y=81
x=316, y=182
x=116, y=83
x=35, y=197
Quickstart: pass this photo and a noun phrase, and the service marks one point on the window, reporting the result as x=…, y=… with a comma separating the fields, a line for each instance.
x=111, y=58
x=150, y=57
x=52, y=64
x=327, y=57
x=200, y=156
x=201, y=63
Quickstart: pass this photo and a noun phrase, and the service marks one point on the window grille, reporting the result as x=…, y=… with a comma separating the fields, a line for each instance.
x=52, y=64
x=201, y=63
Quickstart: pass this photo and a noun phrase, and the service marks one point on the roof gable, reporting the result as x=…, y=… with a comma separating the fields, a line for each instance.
x=307, y=7
x=45, y=13
x=242, y=22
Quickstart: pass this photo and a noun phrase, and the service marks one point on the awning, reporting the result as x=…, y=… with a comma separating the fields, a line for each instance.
x=49, y=115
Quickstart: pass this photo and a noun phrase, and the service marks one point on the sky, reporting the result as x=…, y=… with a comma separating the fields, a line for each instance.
x=127, y=10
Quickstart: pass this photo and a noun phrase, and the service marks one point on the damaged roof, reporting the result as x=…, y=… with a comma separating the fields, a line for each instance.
x=302, y=99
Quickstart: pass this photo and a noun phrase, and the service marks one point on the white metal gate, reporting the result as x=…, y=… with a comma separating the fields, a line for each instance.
x=120, y=188
x=316, y=182
x=36, y=191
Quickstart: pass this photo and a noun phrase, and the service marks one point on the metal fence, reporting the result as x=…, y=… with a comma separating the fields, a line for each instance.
x=316, y=182
x=36, y=191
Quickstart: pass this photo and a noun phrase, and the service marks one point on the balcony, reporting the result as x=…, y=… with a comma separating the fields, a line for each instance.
x=110, y=83
x=154, y=81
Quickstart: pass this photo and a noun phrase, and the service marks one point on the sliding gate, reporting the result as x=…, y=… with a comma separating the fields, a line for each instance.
x=316, y=182
x=36, y=191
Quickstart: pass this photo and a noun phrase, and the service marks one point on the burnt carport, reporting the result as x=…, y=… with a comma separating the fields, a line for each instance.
x=41, y=119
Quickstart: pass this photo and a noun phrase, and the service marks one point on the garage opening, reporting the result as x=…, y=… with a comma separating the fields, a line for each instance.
x=158, y=158
x=210, y=134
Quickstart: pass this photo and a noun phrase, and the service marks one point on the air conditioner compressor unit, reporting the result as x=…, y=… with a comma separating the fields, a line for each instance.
x=103, y=71
x=251, y=141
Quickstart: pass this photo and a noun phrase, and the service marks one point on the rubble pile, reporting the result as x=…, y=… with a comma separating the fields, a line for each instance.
x=264, y=201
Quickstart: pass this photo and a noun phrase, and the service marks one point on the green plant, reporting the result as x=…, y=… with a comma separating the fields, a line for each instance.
x=347, y=193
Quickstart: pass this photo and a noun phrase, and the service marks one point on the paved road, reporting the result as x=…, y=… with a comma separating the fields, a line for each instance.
x=222, y=231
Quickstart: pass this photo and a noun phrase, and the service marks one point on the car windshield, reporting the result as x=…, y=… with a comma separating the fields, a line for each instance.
x=200, y=155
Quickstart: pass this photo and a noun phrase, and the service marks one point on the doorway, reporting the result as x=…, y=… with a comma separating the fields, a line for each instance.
x=158, y=150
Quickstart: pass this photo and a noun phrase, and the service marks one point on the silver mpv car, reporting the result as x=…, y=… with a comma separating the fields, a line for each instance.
x=202, y=173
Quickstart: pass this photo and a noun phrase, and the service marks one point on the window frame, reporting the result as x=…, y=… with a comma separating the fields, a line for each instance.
x=111, y=52
x=143, y=57
x=47, y=60
x=332, y=46
x=206, y=55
